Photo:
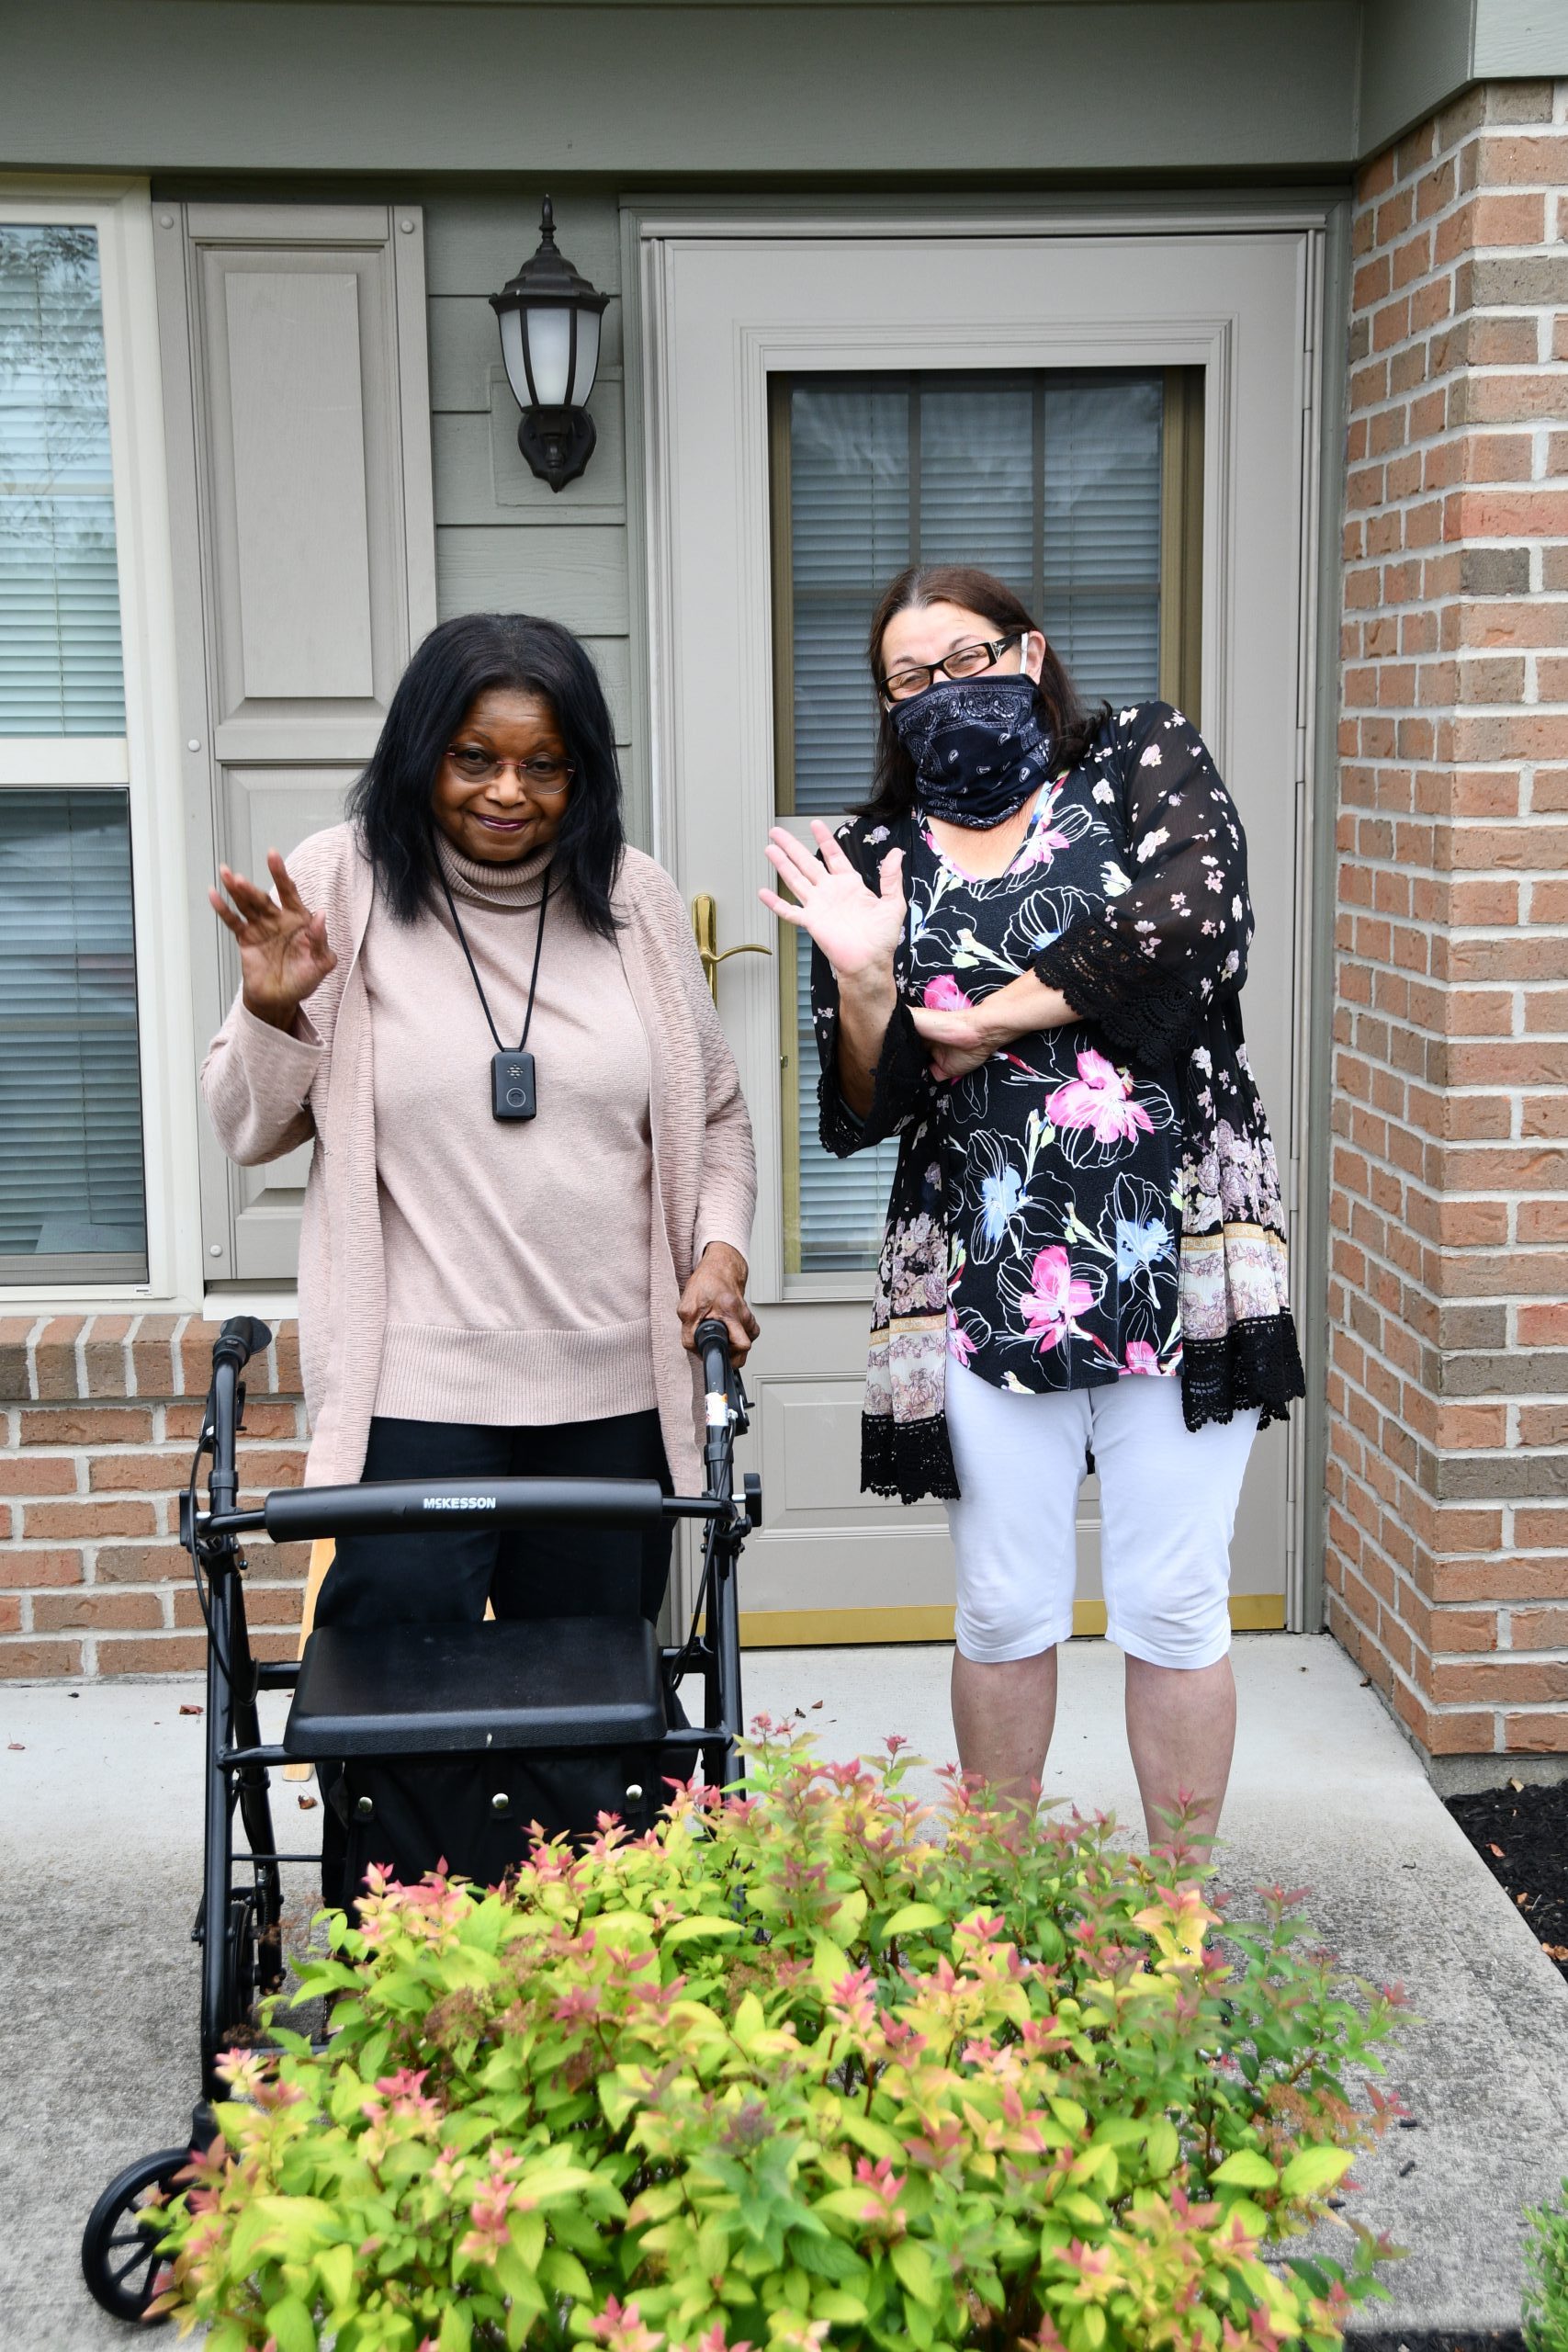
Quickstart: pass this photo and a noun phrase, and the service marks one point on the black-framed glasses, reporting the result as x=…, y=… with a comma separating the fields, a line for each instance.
x=966, y=662
x=545, y=778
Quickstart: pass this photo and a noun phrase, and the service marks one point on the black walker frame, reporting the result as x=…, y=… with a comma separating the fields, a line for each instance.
x=239, y=1922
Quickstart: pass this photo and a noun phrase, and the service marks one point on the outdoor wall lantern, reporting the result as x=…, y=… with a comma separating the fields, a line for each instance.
x=549, y=339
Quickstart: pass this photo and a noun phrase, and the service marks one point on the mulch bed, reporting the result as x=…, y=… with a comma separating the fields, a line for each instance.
x=1432, y=2339
x=1521, y=1835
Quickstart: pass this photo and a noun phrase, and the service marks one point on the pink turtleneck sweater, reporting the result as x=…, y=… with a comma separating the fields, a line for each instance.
x=516, y=1254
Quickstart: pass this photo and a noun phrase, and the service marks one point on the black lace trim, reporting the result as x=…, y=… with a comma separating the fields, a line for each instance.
x=910, y=1460
x=1256, y=1363
x=897, y=1084
x=901, y=1076
x=1150, y=1014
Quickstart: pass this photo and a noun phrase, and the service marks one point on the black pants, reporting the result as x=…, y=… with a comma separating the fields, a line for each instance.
x=437, y=1807
x=445, y=1575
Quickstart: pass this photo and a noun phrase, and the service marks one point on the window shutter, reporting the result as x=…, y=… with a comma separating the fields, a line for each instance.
x=297, y=401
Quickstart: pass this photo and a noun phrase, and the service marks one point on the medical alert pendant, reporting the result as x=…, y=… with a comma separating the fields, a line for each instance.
x=512, y=1085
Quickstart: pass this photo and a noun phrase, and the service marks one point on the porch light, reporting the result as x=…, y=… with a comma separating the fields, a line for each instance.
x=549, y=339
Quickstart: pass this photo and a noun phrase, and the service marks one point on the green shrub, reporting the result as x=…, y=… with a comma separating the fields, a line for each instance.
x=814, y=2065
x=1546, y=2269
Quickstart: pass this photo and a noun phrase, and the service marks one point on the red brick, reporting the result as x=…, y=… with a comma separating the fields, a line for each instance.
x=1543, y=1326
x=105, y=1352
x=37, y=1473
x=141, y=1564
x=91, y=1523
x=160, y=1474
x=1536, y=1734
x=152, y=1353
x=1500, y=1681
x=54, y=1356
x=31, y=1569
x=1521, y=161
x=153, y=1654
x=31, y=1661
x=266, y=1604
x=1538, y=1629
x=1504, y=1577
x=15, y=1332
x=89, y=1610
x=88, y=1425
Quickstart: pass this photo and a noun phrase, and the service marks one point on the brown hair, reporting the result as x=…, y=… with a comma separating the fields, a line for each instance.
x=1072, y=728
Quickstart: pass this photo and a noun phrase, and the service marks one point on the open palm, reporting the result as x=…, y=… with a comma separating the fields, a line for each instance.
x=284, y=956
x=856, y=928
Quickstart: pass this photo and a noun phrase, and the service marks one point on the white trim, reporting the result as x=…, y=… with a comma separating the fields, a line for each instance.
x=120, y=212
x=64, y=758
x=1300, y=1576
x=756, y=295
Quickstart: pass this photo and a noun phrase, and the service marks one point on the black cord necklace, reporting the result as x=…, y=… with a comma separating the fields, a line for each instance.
x=513, y=1094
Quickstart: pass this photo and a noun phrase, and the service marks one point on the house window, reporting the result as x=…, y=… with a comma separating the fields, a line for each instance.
x=1082, y=490
x=73, y=1206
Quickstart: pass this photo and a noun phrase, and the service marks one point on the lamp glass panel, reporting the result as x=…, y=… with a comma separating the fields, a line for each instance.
x=512, y=353
x=549, y=330
x=587, y=366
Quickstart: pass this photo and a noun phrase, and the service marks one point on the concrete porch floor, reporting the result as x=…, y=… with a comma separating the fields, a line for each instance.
x=102, y=1806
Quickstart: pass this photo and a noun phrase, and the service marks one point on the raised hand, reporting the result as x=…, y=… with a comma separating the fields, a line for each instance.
x=284, y=956
x=856, y=928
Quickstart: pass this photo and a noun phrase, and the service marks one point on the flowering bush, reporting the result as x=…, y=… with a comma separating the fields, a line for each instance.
x=807, y=2065
x=1546, y=2281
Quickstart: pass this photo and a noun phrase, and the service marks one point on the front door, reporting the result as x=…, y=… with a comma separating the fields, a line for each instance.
x=1112, y=425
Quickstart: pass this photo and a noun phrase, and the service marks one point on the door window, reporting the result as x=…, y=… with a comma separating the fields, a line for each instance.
x=72, y=1191
x=1082, y=490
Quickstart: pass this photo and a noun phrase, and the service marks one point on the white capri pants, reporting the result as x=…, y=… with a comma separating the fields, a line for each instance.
x=1168, y=1506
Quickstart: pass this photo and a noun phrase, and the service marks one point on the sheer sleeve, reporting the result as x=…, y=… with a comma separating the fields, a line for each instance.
x=901, y=1080
x=1174, y=933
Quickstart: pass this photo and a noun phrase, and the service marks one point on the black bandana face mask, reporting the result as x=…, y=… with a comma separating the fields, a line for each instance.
x=979, y=746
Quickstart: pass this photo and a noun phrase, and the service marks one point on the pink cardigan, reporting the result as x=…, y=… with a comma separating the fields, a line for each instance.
x=703, y=1169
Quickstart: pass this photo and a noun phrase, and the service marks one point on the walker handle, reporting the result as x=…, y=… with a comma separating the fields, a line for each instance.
x=242, y=1337
x=396, y=1506
x=712, y=1343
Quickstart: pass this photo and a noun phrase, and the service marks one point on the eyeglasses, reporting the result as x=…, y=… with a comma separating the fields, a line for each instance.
x=546, y=778
x=967, y=662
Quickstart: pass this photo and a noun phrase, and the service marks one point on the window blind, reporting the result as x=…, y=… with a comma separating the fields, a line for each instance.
x=1051, y=481
x=60, y=646
x=70, y=1172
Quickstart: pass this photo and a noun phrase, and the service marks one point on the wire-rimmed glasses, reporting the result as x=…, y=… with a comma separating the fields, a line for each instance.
x=545, y=779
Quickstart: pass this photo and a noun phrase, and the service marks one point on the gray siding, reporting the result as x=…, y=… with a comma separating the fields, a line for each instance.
x=504, y=541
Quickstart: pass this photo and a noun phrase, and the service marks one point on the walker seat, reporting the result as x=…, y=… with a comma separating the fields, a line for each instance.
x=553, y=1682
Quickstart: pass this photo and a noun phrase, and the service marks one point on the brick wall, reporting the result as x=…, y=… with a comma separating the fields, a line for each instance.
x=99, y=1417
x=1448, y=1550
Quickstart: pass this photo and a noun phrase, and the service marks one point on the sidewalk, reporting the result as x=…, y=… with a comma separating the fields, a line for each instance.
x=98, y=2029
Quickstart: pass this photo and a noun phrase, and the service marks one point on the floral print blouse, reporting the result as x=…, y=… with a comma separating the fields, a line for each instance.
x=1097, y=1201
x=1059, y=1168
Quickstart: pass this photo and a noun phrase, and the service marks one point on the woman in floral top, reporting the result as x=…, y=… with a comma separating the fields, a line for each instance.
x=1027, y=955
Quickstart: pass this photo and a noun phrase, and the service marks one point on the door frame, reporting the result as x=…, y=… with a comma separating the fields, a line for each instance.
x=650, y=225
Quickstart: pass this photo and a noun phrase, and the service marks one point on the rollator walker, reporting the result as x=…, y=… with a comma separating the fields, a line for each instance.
x=555, y=1715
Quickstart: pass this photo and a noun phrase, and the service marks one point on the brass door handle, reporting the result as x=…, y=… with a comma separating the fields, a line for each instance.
x=705, y=930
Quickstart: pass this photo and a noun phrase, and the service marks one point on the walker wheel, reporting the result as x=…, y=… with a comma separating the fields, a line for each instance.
x=120, y=2258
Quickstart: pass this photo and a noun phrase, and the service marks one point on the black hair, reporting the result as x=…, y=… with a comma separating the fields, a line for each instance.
x=394, y=801
x=1073, y=729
